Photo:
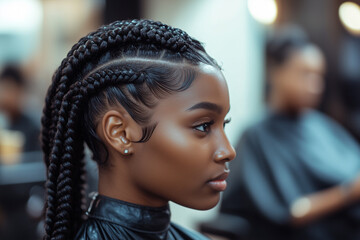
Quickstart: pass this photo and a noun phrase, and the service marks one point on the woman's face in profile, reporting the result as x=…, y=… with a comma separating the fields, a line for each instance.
x=185, y=159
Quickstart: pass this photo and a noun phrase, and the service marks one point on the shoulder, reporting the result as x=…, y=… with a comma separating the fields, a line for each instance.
x=319, y=116
x=186, y=233
x=320, y=120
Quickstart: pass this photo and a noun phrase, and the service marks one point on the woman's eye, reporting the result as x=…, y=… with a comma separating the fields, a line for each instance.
x=204, y=127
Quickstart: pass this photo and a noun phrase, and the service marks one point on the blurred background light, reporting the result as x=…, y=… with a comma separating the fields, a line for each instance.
x=349, y=14
x=263, y=11
x=20, y=15
x=20, y=29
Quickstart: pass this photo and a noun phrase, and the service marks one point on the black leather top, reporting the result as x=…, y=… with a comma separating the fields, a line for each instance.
x=110, y=219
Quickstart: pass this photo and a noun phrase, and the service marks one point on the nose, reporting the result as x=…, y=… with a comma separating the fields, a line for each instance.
x=225, y=151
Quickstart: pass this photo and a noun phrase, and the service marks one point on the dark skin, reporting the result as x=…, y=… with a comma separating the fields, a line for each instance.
x=187, y=150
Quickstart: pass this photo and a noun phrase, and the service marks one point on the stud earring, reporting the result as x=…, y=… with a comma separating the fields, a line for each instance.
x=126, y=151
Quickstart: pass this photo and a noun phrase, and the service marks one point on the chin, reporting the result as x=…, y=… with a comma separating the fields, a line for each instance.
x=311, y=102
x=204, y=203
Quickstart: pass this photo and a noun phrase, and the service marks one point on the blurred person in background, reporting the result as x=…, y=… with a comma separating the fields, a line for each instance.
x=12, y=99
x=19, y=217
x=296, y=172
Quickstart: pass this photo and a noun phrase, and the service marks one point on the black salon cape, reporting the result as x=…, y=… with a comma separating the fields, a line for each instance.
x=110, y=219
x=282, y=158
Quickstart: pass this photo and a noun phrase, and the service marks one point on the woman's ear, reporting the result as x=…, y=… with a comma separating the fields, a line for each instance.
x=116, y=132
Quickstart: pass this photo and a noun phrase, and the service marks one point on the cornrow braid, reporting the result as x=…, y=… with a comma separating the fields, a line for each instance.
x=128, y=63
x=107, y=36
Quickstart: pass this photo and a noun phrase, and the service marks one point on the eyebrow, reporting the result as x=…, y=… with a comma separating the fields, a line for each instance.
x=206, y=105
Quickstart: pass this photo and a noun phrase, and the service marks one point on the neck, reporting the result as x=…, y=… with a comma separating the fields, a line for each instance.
x=118, y=184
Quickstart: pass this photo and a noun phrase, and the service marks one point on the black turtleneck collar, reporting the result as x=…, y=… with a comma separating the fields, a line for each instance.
x=129, y=215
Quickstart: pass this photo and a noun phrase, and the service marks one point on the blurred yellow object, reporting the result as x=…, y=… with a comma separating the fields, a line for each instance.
x=11, y=146
x=349, y=14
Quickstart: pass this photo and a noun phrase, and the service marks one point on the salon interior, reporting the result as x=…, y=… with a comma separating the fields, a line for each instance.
x=35, y=36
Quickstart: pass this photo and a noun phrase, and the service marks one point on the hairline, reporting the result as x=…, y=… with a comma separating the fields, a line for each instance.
x=123, y=60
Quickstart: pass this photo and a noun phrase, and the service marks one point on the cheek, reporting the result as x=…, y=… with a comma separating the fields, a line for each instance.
x=174, y=162
x=290, y=89
x=175, y=151
x=315, y=85
x=297, y=88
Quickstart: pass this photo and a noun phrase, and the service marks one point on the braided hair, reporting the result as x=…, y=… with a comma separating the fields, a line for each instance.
x=132, y=63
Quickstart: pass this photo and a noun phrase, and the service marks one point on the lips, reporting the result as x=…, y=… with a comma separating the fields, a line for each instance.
x=219, y=183
x=221, y=177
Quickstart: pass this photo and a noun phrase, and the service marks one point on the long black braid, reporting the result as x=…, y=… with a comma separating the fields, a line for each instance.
x=132, y=63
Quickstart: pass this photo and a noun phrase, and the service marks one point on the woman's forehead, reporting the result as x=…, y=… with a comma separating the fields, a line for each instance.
x=208, y=87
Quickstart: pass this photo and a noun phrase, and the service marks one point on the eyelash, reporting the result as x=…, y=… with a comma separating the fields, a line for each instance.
x=207, y=125
x=226, y=122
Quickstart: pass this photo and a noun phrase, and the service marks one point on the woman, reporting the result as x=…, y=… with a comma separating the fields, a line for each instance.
x=297, y=171
x=150, y=104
